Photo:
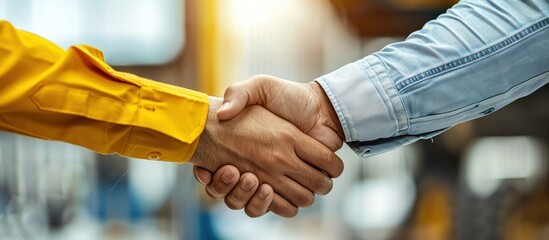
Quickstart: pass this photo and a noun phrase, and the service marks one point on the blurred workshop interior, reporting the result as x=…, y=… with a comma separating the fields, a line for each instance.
x=483, y=179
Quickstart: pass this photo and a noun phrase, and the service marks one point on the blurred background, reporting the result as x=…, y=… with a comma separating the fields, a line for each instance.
x=485, y=179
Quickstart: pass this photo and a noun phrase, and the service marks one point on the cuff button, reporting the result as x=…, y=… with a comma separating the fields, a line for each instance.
x=154, y=156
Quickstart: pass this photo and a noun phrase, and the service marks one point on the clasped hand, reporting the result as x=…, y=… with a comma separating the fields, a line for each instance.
x=281, y=135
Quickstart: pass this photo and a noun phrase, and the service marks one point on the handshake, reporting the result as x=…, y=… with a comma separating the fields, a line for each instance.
x=280, y=135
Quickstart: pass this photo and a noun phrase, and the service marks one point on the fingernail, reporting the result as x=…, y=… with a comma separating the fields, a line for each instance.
x=247, y=184
x=263, y=194
x=227, y=177
x=200, y=180
x=224, y=106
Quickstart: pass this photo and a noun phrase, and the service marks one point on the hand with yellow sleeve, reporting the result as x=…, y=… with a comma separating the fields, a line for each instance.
x=75, y=97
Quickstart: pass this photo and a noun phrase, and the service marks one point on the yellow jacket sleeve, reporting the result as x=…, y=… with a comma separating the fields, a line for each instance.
x=75, y=97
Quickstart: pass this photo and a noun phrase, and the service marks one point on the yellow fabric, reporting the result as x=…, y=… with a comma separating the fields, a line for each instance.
x=75, y=97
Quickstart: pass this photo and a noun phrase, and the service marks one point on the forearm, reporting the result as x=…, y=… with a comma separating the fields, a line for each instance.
x=474, y=59
x=74, y=96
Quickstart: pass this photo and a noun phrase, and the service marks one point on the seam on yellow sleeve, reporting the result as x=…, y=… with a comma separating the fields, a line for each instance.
x=127, y=151
x=61, y=99
x=138, y=120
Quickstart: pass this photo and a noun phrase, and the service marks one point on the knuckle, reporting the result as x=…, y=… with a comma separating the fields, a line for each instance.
x=249, y=182
x=279, y=157
x=285, y=133
x=340, y=168
x=291, y=213
x=334, y=163
x=218, y=190
x=305, y=200
x=339, y=145
x=278, y=209
x=232, y=88
x=285, y=212
x=212, y=194
x=233, y=204
x=267, y=192
x=323, y=185
x=327, y=157
x=235, y=198
x=254, y=212
x=260, y=77
x=239, y=200
x=288, y=134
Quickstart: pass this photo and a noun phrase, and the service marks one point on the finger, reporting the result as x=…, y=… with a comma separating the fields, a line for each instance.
x=241, y=94
x=223, y=181
x=311, y=178
x=260, y=202
x=202, y=175
x=243, y=192
x=327, y=136
x=294, y=193
x=282, y=207
x=319, y=156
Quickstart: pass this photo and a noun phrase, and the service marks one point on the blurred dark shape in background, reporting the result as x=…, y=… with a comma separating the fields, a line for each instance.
x=382, y=18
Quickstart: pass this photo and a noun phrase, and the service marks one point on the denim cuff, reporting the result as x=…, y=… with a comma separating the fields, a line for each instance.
x=365, y=100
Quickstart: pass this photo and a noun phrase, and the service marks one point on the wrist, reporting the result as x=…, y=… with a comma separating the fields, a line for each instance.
x=328, y=109
x=203, y=150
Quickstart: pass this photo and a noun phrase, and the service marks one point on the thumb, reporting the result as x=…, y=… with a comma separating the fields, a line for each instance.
x=242, y=94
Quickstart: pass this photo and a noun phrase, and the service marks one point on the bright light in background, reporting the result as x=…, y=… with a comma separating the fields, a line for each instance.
x=153, y=190
x=379, y=204
x=492, y=160
x=250, y=13
x=383, y=200
x=45, y=18
x=129, y=32
x=276, y=37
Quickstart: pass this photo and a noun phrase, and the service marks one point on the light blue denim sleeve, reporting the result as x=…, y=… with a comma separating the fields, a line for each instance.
x=476, y=58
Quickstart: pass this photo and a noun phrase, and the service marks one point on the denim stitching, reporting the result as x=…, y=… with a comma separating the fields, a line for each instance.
x=337, y=108
x=476, y=56
x=383, y=83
